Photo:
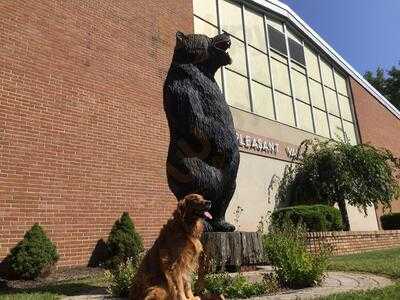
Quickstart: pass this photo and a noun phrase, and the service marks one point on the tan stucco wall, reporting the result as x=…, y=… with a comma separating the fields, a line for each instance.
x=258, y=178
x=361, y=222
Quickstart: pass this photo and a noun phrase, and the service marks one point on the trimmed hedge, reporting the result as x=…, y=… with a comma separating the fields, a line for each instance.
x=316, y=217
x=390, y=221
x=35, y=255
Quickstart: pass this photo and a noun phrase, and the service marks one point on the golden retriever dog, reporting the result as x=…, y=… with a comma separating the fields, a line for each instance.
x=164, y=273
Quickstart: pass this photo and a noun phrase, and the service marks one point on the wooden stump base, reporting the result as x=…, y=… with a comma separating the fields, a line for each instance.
x=229, y=251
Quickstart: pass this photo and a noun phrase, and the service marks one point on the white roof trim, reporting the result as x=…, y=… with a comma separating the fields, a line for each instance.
x=284, y=10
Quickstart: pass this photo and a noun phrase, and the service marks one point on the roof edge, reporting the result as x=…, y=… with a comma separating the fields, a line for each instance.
x=284, y=10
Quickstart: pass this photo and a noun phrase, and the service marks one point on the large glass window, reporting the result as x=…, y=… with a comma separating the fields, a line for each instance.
x=237, y=90
x=312, y=64
x=300, y=85
x=206, y=9
x=231, y=18
x=280, y=77
x=255, y=31
x=304, y=116
x=321, y=122
x=275, y=73
x=327, y=74
x=284, y=108
x=262, y=100
x=259, y=66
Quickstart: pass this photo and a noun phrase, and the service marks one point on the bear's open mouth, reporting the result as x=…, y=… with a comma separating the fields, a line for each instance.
x=223, y=45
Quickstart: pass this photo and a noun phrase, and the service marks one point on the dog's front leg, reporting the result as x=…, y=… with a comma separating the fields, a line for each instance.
x=188, y=289
x=180, y=286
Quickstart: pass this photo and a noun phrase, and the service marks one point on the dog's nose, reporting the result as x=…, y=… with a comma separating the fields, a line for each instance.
x=208, y=204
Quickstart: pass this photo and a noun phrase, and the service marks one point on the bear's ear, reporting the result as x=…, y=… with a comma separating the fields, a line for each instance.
x=180, y=40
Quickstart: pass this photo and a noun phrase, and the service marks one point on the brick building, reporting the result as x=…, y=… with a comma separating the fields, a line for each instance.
x=83, y=135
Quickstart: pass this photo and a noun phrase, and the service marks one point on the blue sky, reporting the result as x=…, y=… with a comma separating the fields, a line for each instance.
x=365, y=32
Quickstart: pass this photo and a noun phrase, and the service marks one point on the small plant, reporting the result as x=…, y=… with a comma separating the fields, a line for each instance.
x=237, y=213
x=123, y=242
x=238, y=286
x=35, y=255
x=390, y=221
x=263, y=224
x=286, y=249
x=120, y=279
x=316, y=217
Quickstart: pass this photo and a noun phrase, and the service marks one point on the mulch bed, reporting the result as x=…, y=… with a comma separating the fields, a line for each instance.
x=57, y=276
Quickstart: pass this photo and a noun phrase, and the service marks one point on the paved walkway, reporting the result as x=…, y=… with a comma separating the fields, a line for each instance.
x=334, y=282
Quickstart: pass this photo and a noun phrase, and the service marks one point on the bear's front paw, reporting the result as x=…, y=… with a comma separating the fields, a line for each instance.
x=222, y=226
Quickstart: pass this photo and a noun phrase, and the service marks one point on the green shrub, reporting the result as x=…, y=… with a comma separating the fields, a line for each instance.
x=390, y=221
x=34, y=255
x=238, y=286
x=315, y=217
x=287, y=252
x=123, y=242
x=119, y=280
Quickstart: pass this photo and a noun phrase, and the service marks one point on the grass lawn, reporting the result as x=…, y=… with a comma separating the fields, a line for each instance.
x=92, y=285
x=383, y=262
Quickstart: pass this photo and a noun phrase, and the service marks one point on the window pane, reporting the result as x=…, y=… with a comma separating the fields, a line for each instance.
x=321, y=123
x=276, y=24
x=206, y=9
x=296, y=51
x=327, y=74
x=299, y=68
x=304, y=116
x=255, y=33
x=284, y=108
x=231, y=18
x=345, y=109
x=259, y=66
x=316, y=94
x=341, y=84
x=238, y=55
x=293, y=36
x=262, y=100
x=237, y=90
x=331, y=101
x=279, y=57
x=300, y=86
x=277, y=40
x=202, y=27
x=218, y=78
x=312, y=64
x=336, y=127
x=350, y=132
x=280, y=73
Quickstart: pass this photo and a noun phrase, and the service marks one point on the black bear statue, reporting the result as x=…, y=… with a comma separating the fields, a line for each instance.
x=203, y=154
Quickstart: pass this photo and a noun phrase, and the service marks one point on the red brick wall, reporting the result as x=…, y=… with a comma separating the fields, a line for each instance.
x=346, y=242
x=83, y=135
x=378, y=125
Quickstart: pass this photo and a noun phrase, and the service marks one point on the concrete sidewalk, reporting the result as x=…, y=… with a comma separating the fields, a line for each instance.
x=334, y=282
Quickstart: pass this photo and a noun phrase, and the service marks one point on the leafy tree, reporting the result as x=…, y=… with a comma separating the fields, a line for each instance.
x=388, y=86
x=329, y=172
